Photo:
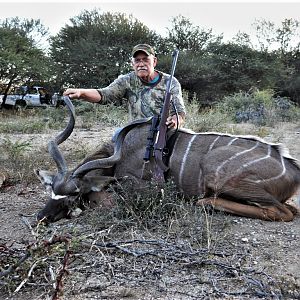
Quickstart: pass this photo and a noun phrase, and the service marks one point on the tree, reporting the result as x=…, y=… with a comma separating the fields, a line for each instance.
x=212, y=69
x=283, y=41
x=192, y=41
x=241, y=67
x=185, y=36
x=265, y=34
x=97, y=47
x=21, y=61
x=30, y=28
x=226, y=68
x=242, y=39
x=288, y=36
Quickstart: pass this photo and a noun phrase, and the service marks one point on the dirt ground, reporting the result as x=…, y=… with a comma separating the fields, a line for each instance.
x=216, y=257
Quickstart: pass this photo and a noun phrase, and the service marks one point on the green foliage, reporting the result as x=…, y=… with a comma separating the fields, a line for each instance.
x=224, y=69
x=110, y=114
x=22, y=122
x=150, y=205
x=238, y=68
x=289, y=85
x=15, y=159
x=213, y=69
x=15, y=150
x=281, y=39
x=258, y=107
x=201, y=120
x=21, y=61
x=96, y=48
x=185, y=36
x=30, y=28
x=283, y=42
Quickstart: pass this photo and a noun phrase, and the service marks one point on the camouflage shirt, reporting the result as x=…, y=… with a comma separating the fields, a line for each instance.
x=144, y=99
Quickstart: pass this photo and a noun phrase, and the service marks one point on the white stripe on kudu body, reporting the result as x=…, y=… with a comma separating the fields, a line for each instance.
x=200, y=186
x=257, y=160
x=236, y=155
x=213, y=143
x=248, y=164
x=232, y=141
x=279, y=175
x=183, y=162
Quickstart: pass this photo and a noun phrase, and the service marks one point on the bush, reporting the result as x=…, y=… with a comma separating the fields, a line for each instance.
x=202, y=120
x=109, y=114
x=259, y=108
x=150, y=205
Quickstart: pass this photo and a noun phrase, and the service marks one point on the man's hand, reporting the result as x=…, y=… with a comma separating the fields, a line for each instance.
x=73, y=93
x=172, y=121
x=90, y=95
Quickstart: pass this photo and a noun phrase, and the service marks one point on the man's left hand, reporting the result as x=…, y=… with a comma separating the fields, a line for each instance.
x=172, y=121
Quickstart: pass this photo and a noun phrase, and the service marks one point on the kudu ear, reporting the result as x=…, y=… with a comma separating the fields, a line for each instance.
x=97, y=183
x=46, y=178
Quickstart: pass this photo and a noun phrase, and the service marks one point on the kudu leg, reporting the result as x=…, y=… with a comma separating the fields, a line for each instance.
x=267, y=213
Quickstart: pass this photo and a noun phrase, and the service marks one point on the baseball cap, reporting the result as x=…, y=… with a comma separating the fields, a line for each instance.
x=143, y=47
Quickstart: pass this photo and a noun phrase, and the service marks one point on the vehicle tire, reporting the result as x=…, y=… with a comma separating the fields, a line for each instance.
x=21, y=104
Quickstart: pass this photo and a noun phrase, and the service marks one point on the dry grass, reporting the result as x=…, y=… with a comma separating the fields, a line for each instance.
x=153, y=244
x=177, y=253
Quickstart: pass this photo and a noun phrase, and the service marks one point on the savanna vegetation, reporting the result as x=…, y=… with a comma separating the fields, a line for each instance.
x=155, y=245
x=96, y=48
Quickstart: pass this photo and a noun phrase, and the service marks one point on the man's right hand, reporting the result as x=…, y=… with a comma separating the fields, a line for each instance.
x=90, y=95
x=73, y=93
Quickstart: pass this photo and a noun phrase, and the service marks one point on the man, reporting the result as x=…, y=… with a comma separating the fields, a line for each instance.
x=144, y=89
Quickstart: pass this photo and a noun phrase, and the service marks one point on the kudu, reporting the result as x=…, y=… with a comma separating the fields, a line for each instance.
x=242, y=175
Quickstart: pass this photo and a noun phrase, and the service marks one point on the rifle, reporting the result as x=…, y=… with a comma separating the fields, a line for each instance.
x=151, y=137
x=160, y=141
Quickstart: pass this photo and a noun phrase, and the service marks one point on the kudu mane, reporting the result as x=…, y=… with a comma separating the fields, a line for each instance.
x=280, y=148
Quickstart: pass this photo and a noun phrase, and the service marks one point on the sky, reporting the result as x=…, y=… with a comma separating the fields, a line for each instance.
x=223, y=17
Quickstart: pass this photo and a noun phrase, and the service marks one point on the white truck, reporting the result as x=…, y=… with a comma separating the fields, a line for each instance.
x=29, y=97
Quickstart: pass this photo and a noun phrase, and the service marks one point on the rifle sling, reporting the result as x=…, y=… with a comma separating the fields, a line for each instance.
x=172, y=135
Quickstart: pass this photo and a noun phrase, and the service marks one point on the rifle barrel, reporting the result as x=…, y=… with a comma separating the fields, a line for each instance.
x=175, y=57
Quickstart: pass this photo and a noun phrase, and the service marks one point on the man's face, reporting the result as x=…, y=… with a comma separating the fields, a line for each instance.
x=144, y=65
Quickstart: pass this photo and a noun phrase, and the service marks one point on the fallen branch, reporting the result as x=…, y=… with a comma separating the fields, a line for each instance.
x=40, y=248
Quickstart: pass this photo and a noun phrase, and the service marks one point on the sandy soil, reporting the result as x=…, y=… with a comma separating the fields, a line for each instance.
x=244, y=259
